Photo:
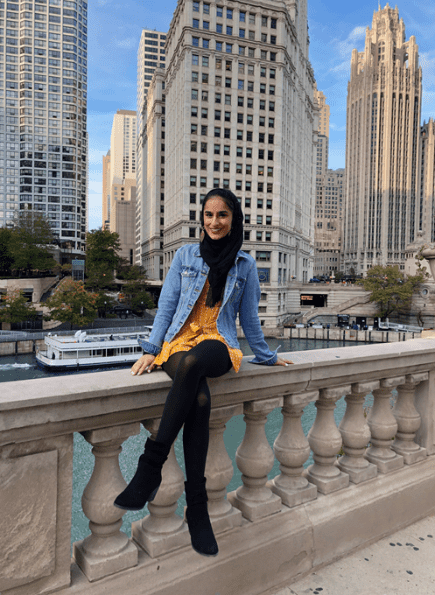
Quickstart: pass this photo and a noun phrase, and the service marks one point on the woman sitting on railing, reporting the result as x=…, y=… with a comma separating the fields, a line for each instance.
x=194, y=336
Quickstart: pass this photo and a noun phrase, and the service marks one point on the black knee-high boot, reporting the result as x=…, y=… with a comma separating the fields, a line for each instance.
x=146, y=481
x=198, y=521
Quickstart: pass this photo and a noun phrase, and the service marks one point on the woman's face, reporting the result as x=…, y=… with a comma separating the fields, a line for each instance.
x=218, y=218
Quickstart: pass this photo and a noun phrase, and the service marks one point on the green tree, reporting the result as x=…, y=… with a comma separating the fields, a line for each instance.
x=72, y=303
x=102, y=258
x=390, y=289
x=136, y=295
x=29, y=241
x=6, y=259
x=16, y=308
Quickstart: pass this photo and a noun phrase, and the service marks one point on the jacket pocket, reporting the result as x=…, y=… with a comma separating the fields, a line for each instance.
x=188, y=277
x=237, y=292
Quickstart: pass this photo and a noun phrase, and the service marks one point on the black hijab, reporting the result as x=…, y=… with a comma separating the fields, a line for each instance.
x=220, y=255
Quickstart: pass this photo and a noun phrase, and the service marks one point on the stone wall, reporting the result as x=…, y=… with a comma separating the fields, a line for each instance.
x=269, y=529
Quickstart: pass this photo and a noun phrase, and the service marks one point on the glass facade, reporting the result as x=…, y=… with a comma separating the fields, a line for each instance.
x=43, y=96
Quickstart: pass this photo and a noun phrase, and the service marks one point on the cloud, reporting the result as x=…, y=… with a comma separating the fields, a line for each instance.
x=128, y=43
x=345, y=47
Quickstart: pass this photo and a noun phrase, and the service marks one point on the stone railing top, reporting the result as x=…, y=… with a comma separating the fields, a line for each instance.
x=53, y=405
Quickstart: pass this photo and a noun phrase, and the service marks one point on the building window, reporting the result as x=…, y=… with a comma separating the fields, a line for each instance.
x=195, y=23
x=192, y=232
x=247, y=236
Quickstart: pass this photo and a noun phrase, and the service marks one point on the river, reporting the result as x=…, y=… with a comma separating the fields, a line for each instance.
x=23, y=367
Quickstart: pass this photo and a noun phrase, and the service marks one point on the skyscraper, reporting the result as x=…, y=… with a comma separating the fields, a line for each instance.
x=119, y=182
x=43, y=145
x=329, y=200
x=150, y=56
x=426, y=197
x=240, y=114
x=382, y=140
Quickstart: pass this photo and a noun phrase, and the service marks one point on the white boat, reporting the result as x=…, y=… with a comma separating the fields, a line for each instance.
x=91, y=351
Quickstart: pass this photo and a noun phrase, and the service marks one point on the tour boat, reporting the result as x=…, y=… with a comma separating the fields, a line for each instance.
x=91, y=351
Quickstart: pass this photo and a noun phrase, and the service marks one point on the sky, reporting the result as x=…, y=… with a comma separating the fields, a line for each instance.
x=335, y=28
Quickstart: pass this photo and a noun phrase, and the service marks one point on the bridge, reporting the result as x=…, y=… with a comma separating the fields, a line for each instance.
x=370, y=477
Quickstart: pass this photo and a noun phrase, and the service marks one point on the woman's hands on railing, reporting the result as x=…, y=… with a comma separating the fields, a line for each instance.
x=144, y=364
x=283, y=362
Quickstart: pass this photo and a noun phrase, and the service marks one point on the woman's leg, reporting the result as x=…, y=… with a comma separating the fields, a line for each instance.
x=207, y=359
x=190, y=402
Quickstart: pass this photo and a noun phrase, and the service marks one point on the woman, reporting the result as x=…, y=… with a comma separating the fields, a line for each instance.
x=194, y=337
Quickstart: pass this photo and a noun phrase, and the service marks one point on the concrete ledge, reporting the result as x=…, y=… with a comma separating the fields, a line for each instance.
x=273, y=551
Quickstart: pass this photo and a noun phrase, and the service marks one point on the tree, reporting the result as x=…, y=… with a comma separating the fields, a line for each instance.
x=29, y=241
x=6, y=259
x=72, y=303
x=102, y=258
x=390, y=289
x=16, y=308
x=136, y=295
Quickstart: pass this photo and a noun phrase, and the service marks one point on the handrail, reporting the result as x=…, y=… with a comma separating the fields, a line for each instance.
x=390, y=453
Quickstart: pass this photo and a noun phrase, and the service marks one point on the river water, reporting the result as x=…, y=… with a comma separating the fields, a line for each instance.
x=23, y=367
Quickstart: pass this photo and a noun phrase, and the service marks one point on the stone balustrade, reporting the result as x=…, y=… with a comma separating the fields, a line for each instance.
x=371, y=474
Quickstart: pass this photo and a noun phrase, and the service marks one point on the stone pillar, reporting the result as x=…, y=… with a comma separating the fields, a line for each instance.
x=163, y=530
x=325, y=441
x=107, y=550
x=383, y=428
x=408, y=420
x=255, y=459
x=292, y=451
x=219, y=471
x=355, y=433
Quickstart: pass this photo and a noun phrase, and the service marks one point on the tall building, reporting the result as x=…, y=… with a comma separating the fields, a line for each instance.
x=329, y=230
x=150, y=56
x=106, y=191
x=43, y=147
x=382, y=140
x=329, y=200
x=119, y=182
x=240, y=114
x=152, y=166
x=426, y=197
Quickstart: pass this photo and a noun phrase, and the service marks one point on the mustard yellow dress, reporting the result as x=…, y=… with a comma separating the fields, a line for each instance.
x=200, y=326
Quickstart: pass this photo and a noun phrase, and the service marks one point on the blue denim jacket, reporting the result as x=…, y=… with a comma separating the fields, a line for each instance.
x=182, y=287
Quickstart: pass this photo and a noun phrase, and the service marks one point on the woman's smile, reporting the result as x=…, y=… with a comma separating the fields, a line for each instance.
x=217, y=218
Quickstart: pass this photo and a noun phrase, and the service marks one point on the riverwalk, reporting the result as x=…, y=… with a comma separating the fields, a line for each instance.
x=400, y=564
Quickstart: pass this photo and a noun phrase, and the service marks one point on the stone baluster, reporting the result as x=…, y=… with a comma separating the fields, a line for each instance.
x=408, y=420
x=219, y=471
x=355, y=433
x=383, y=428
x=107, y=550
x=163, y=530
x=255, y=459
x=325, y=441
x=292, y=451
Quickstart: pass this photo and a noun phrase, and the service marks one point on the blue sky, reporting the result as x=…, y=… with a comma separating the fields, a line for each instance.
x=335, y=26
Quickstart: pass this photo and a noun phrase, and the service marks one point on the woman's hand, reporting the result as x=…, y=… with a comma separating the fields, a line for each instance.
x=283, y=362
x=144, y=364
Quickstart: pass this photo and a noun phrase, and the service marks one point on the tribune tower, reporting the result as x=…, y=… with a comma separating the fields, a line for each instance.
x=382, y=139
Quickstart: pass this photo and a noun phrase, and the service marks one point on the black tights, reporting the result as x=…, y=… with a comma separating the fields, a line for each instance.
x=189, y=402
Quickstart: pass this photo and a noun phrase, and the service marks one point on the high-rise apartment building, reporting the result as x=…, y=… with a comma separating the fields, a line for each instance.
x=150, y=56
x=119, y=182
x=240, y=115
x=382, y=140
x=43, y=139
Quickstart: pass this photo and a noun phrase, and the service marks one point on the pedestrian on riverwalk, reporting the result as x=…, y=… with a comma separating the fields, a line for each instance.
x=193, y=338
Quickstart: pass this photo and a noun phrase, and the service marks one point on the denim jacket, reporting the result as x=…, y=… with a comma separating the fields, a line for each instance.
x=181, y=289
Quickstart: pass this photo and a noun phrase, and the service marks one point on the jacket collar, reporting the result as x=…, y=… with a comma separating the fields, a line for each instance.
x=240, y=253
